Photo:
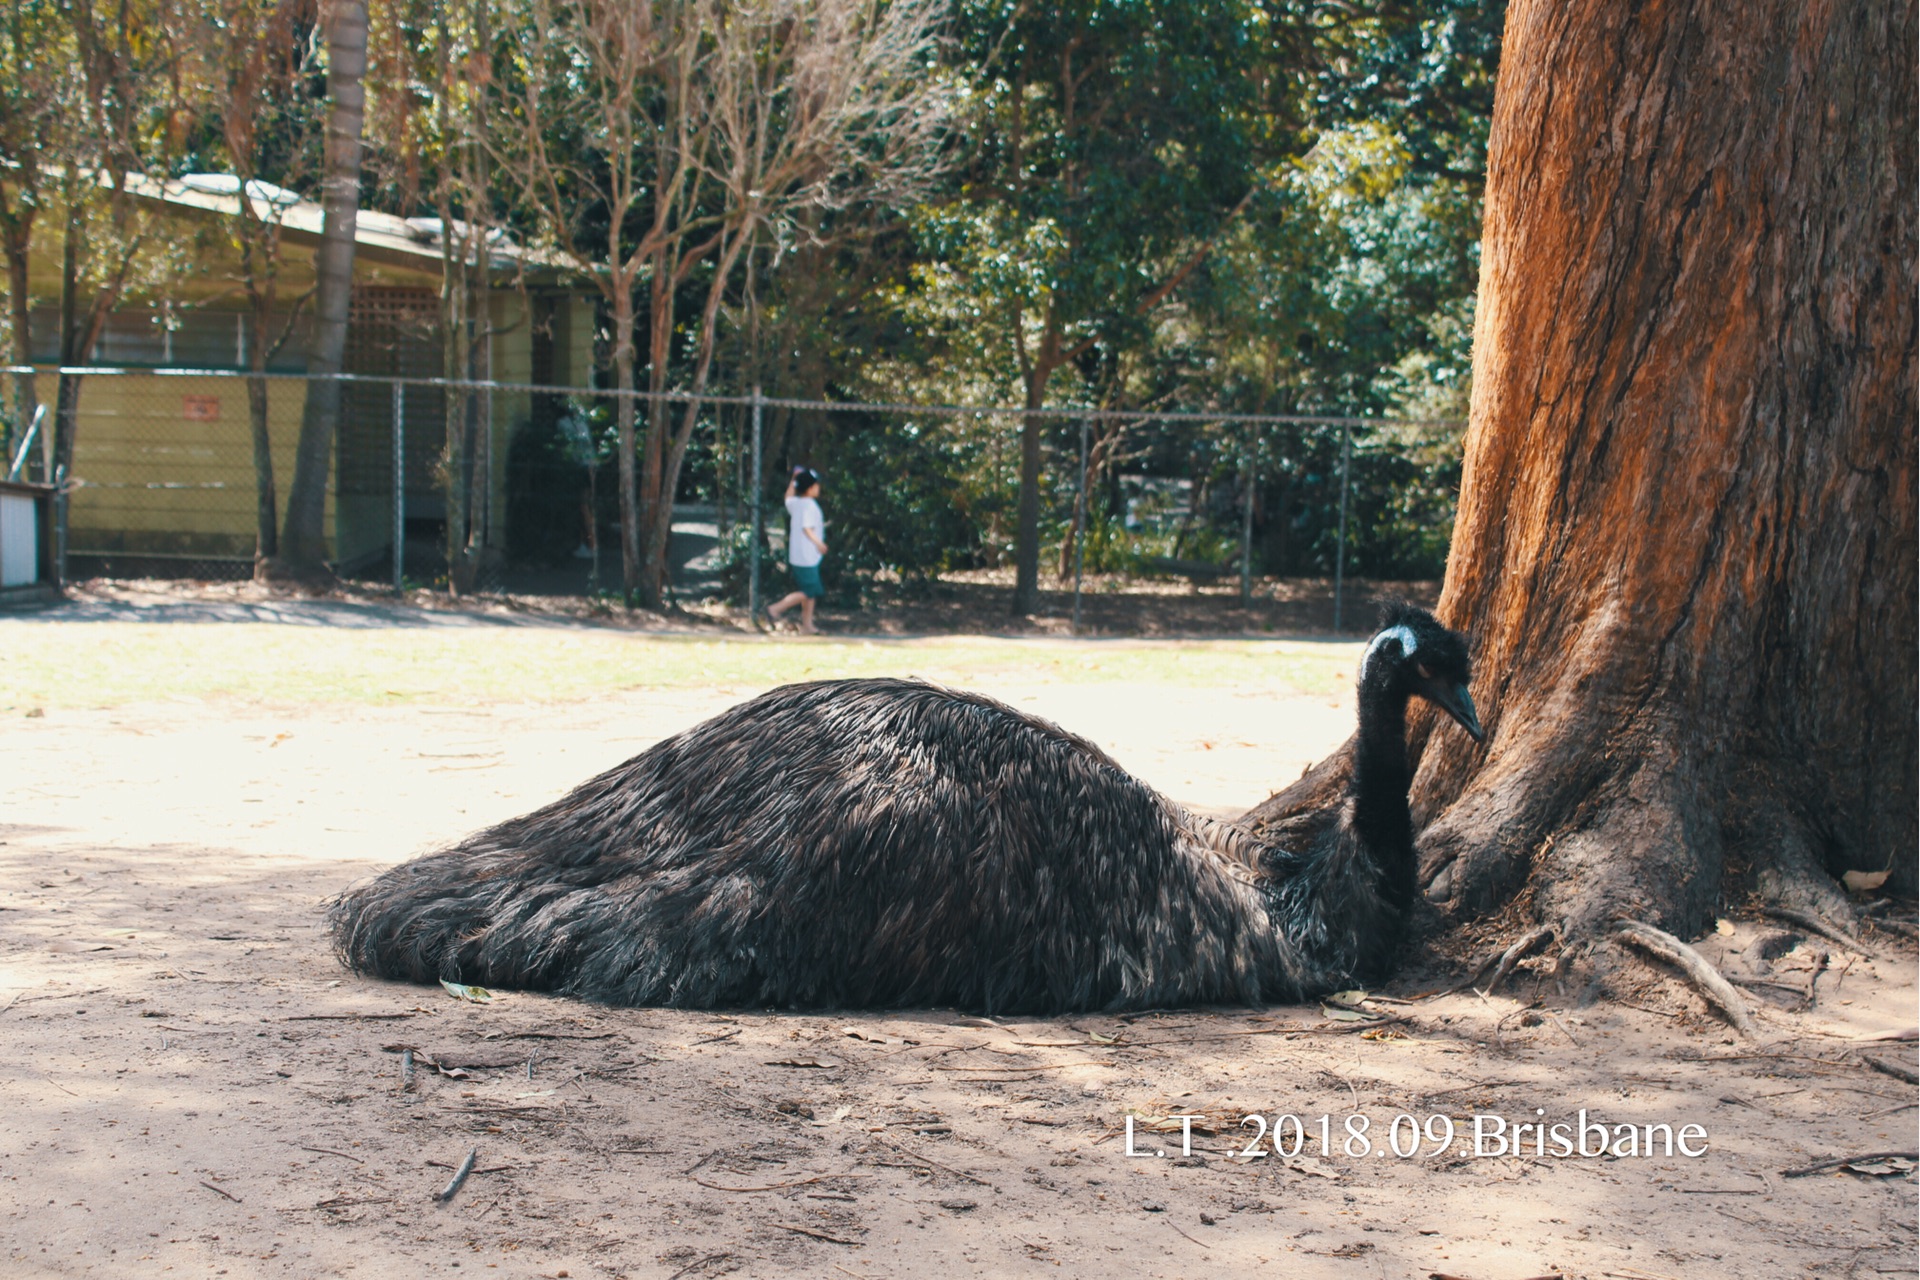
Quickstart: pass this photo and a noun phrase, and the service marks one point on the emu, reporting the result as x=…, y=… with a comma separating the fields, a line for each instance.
x=892, y=843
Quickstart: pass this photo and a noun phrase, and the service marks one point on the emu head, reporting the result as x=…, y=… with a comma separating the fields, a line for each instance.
x=1414, y=654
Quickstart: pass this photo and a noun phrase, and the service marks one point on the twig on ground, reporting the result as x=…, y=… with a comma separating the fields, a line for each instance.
x=915, y=1155
x=492, y=1168
x=1804, y=1170
x=1176, y=1226
x=1037, y=1066
x=818, y=1235
x=776, y=1186
x=329, y=1151
x=1814, y=924
x=557, y=1035
x=1894, y=1069
x=697, y=1263
x=452, y=1189
x=1896, y=926
x=1705, y=978
x=406, y=1070
x=346, y=1017
x=217, y=1191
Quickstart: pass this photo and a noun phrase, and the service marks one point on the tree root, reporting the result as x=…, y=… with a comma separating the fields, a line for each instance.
x=1814, y=924
x=1706, y=979
x=1502, y=965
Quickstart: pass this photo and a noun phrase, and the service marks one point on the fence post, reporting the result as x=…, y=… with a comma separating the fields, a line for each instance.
x=753, y=491
x=399, y=484
x=1080, y=529
x=1246, y=529
x=1340, y=554
x=60, y=527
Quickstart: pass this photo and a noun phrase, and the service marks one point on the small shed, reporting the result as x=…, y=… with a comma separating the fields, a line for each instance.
x=26, y=543
x=163, y=471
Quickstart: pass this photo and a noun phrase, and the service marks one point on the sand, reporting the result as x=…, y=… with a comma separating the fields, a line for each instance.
x=194, y=1087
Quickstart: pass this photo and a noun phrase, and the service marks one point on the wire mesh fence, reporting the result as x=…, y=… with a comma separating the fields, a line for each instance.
x=176, y=472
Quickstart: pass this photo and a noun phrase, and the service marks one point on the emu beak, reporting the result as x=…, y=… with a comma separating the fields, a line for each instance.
x=1458, y=703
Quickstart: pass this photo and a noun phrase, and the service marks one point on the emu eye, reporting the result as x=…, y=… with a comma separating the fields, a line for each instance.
x=1426, y=672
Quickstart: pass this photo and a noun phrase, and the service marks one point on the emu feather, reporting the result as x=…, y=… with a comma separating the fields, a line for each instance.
x=893, y=843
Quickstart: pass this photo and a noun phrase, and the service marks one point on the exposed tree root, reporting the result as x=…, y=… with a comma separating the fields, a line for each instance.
x=1814, y=924
x=1693, y=966
x=1501, y=965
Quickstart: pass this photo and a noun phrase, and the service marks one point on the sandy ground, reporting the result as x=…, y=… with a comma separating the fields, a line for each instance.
x=194, y=1087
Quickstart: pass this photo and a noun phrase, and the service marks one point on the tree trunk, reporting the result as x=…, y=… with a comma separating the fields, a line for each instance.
x=303, y=543
x=1686, y=538
x=1026, y=535
x=623, y=413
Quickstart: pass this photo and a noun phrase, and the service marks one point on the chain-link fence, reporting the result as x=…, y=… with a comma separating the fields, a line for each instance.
x=176, y=472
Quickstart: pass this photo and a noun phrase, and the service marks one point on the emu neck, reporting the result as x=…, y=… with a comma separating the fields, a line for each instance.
x=1381, y=775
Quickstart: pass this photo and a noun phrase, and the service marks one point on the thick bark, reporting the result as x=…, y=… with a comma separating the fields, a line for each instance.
x=303, y=542
x=1686, y=538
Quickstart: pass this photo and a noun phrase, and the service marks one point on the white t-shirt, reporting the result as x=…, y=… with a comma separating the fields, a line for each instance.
x=804, y=513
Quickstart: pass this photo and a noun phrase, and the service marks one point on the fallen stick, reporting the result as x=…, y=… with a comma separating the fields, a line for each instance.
x=328, y=1151
x=1705, y=978
x=1038, y=1066
x=1176, y=1226
x=1893, y=1069
x=697, y=1263
x=915, y=1155
x=776, y=1186
x=1836, y=1163
x=459, y=1179
x=495, y=1168
x=818, y=1235
x=217, y=1191
x=346, y=1017
x=548, y=1035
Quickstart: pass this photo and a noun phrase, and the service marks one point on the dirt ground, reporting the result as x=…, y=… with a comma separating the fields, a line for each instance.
x=195, y=1087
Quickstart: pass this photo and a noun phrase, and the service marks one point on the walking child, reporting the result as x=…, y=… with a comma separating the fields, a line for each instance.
x=806, y=544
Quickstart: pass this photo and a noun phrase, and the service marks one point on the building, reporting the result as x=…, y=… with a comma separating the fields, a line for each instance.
x=163, y=460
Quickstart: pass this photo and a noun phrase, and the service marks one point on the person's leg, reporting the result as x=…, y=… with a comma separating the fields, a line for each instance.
x=806, y=616
x=786, y=602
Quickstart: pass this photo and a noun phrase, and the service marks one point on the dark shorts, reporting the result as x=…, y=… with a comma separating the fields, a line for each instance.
x=806, y=577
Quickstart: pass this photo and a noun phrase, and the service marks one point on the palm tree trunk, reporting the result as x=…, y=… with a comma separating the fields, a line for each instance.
x=303, y=544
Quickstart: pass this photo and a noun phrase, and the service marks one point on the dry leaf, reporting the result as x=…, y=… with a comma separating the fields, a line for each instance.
x=461, y=991
x=1723, y=927
x=1865, y=881
x=1315, y=1168
x=1343, y=1015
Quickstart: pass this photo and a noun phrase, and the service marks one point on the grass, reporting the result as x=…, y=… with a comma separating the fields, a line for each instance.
x=92, y=664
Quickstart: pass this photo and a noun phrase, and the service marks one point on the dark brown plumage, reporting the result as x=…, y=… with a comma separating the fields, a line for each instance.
x=892, y=843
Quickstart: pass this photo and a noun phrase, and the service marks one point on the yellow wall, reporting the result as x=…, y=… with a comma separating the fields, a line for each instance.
x=155, y=481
